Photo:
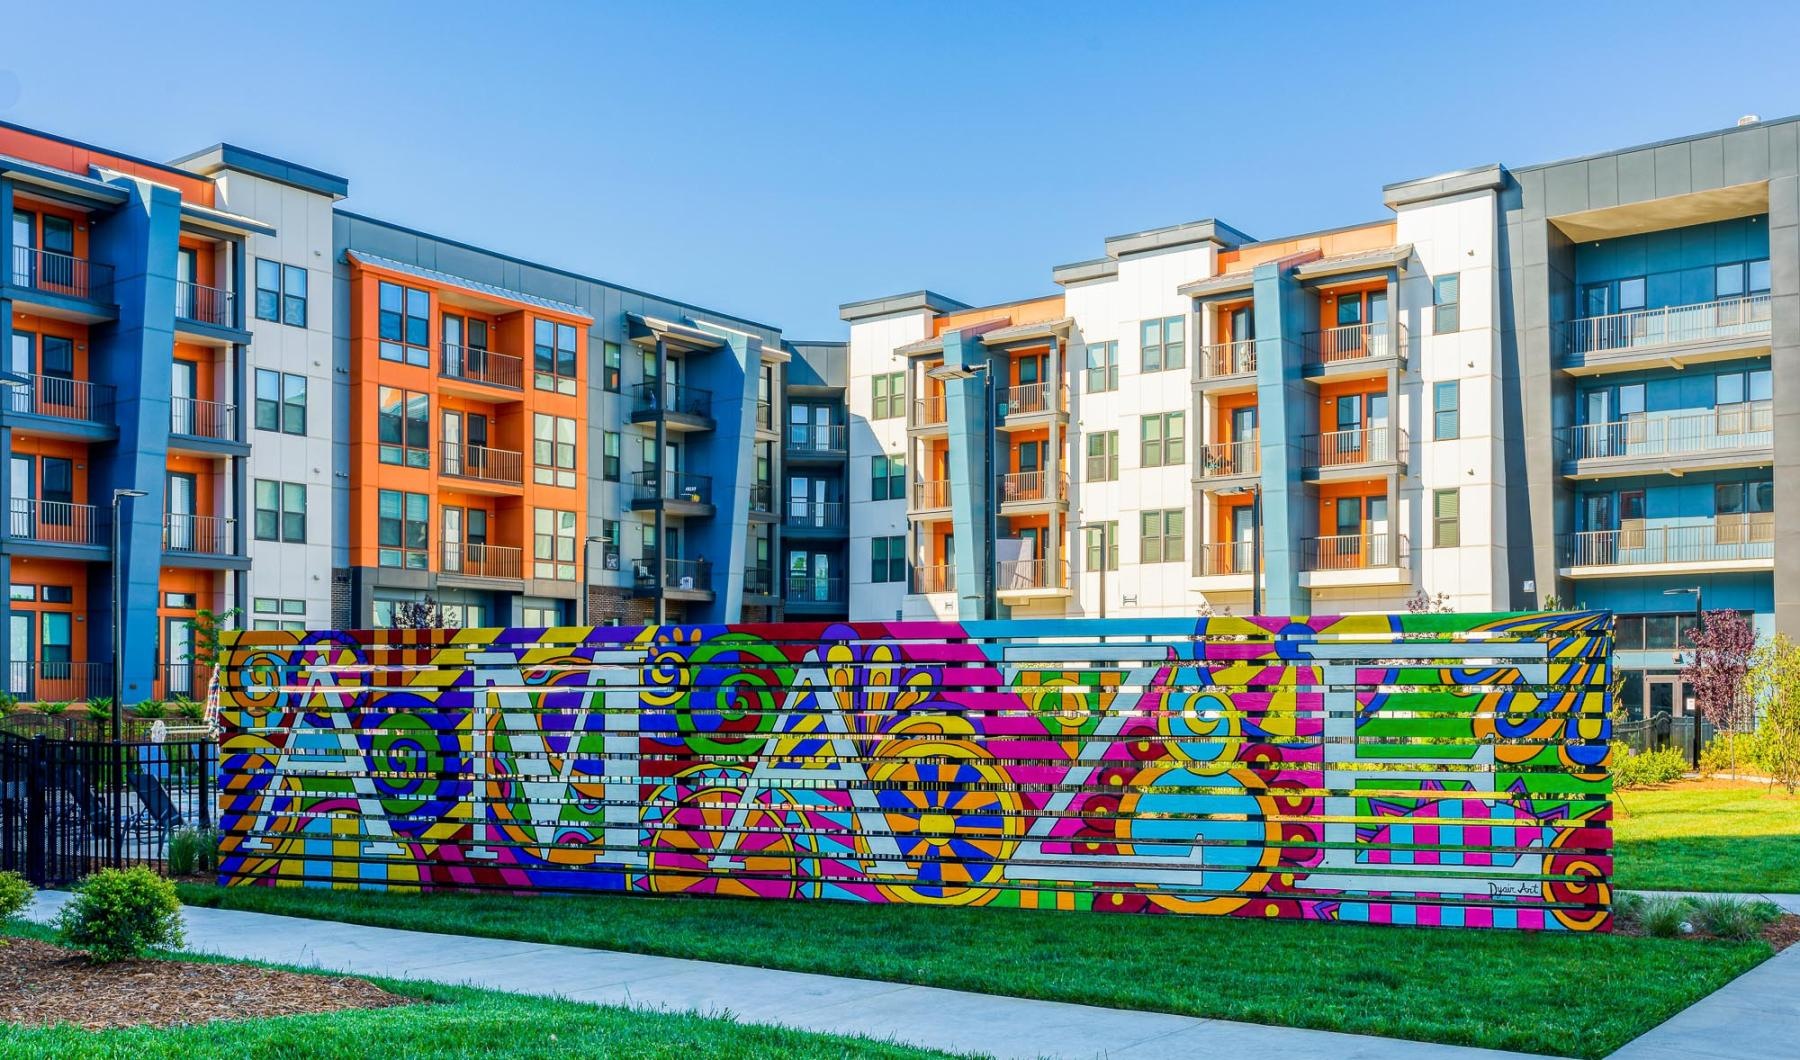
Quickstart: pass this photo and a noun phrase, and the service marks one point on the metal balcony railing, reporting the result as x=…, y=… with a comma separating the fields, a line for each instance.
x=1358, y=342
x=1355, y=447
x=814, y=589
x=1724, y=429
x=1721, y=539
x=482, y=561
x=1223, y=359
x=681, y=574
x=1219, y=558
x=765, y=415
x=65, y=399
x=1013, y=575
x=61, y=274
x=1702, y=322
x=205, y=305
x=1220, y=459
x=203, y=419
x=58, y=682
x=931, y=495
x=759, y=581
x=935, y=578
x=817, y=515
x=1021, y=487
x=673, y=486
x=930, y=411
x=831, y=439
x=762, y=497
x=1029, y=398
x=671, y=397
x=186, y=680
x=54, y=522
x=475, y=365
x=504, y=467
x=210, y=535
x=1354, y=552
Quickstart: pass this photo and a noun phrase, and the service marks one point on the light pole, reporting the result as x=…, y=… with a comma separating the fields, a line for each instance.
x=587, y=593
x=1693, y=719
x=118, y=613
x=1255, y=492
x=1105, y=557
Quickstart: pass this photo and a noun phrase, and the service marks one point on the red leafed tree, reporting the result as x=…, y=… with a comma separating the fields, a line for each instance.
x=1716, y=665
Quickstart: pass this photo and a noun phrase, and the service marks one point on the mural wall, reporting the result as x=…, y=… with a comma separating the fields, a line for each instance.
x=1413, y=769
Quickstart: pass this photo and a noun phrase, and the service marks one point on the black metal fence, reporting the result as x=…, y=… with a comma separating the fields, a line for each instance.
x=69, y=807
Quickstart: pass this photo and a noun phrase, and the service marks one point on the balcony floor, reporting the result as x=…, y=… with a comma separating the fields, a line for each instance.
x=1645, y=570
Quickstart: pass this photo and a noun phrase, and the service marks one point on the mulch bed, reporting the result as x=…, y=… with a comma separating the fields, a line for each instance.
x=1781, y=933
x=41, y=984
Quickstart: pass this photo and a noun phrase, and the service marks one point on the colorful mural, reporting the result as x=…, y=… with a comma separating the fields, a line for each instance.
x=1414, y=769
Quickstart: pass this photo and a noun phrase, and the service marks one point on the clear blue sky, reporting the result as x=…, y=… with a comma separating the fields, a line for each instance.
x=774, y=160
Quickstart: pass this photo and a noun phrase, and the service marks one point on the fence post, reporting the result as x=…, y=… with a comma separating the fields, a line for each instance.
x=36, y=820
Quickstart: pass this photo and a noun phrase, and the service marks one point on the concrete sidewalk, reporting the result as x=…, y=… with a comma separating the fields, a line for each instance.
x=950, y=1020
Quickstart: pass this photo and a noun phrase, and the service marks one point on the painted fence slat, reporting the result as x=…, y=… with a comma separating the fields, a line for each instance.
x=1419, y=769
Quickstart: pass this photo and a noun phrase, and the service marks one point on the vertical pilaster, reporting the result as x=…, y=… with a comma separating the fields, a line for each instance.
x=971, y=417
x=1285, y=414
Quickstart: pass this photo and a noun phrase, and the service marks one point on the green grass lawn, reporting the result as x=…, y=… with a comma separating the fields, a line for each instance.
x=1550, y=993
x=1707, y=836
x=456, y=1021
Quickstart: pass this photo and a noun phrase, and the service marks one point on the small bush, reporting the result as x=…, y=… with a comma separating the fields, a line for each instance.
x=120, y=913
x=1666, y=916
x=1733, y=918
x=53, y=709
x=15, y=895
x=1651, y=767
x=8, y=703
x=188, y=709
x=150, y=709
x=1731, y=752
x=193, y=850
x=1628, y=907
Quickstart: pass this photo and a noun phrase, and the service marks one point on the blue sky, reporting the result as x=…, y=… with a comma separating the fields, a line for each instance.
x=775, y=160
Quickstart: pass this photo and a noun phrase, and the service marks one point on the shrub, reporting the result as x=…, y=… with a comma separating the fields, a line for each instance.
x=193, y=850
x=1733, y=918
x=1731, y=752
x=120, y=913
x=188, y=709
x=1666, y=916
x=1628, y=907
x=15, y=895
x=53, y=709
x=1650, y=767
x=150, y=709
x=8, y=703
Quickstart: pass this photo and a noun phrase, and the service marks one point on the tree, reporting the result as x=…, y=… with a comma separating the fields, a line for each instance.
x=1773, y=685
x=419, y=614
x=1715, y=670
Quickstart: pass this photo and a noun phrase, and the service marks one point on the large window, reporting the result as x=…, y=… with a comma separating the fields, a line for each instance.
x=888, y=478
x=1730, y=388
x=613, y=369
x=1744, y=498
x=1741, y=278
x=402, y=529
x=1446, y=518
x=280, y=292
x=280, y=402
x=553, y=544
x=1103, y=456
x=277, y=614
x=609, y=456
x=1163, y=439
x=404, y=320
x=888, y=396
x=1446, y=411
x=553, y=356
x=1102, y=373
x=1163, y=343
x=280, y=511
x=887, y=559
x=1162, y=536
x=1098, y=536
x=404, y=427
x=1446, y=303
x=553, y=450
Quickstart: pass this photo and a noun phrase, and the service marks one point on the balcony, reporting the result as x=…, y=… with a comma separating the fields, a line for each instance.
x=1728, y=436
x=481, y=562
x=213, y=307
x=52, y=527
x=1722, y=543
x=816, y=517
x=681, y=579
x=1355, y=560
x=806, y=592
x=1019, y=490
x=58, y=682
x=211, y=423
x=759, y=581
x=762, y=499
x=69, y=286
x=480, y=464
x=1031, y=404
x=1231, y=459
x=64, y=401
x=680, y=408
x=1672, y=336
x=806, y=441
x=765, y=416
x=931, y=495
x=1354, y=450
x=1226, y=566
x=676, y=492
x=934, y=578
x=199, y=535
x=485, y=368
x=1355, y=345
x=929, y=413
x=1025, y=579
x=1225, y=362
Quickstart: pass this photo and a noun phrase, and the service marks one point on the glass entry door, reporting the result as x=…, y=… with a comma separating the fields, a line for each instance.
x=19, y=637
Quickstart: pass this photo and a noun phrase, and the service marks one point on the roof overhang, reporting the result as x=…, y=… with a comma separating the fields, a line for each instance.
x=61, y=184
x=1225, y=283
x=219, y=221
x=471, y=293
x=911, y=302
x=1040, y=329
x=1443, y=186
x=1083, y=271
x=1361, y=262
x=1669, y=211
x=676, y=337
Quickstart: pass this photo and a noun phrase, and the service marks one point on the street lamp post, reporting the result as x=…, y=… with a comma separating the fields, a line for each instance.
x=118, y=613
x=587, y=593
x=1105, y=556
x=1255, y=492
x=1693, y=719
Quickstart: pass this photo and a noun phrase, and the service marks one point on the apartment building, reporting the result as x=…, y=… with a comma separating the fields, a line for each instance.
x=1523, y=386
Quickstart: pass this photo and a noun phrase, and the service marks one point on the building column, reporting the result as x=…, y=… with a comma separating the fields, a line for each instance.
x=1053, y=465
x=1286, y=413
x=970, y=412
x=661, y=567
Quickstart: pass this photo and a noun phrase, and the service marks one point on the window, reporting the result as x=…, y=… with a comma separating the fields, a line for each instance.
x=553, y=450
x=1740, y=498
x=280, y=402
x=404, y=422
x=180, y=601
x=54, y=653
x=21, y=592
x=293, y=295
x=553, y=544
x=1446, y=304
x=609, y=456
x=273, y=614
x=1446, y=411
x=59, y=594
x=1103, y=456
x=887, y=559
x=268, y=289
x=1164, y=436
x=1446, y=518
x=609, y=544
x=888, y=478
x=612, y=371
x=404, y=324
x=1102, y=367
x=280, y=511
x=1730, y=388
x=888, y=396
x=1741, y=278
x=1162, y=343
x=402, y=529
x=1106, y=534
x=1162, y=536
x=553, y=355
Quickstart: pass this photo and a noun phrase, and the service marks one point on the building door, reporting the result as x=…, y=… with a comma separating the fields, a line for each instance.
x=1243, y=538
x=1380, y=548
x=24, y=241
x=182, y=378
x=453, y=538
x=178, y=655
x=185, y=296
x=59, y=252
x=455, y=366
x=1378, y=427
x=181, y=511
x=453, y=438
x=23, y=644
x=1348, y=443
x=20, y=517
x=56, y=498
